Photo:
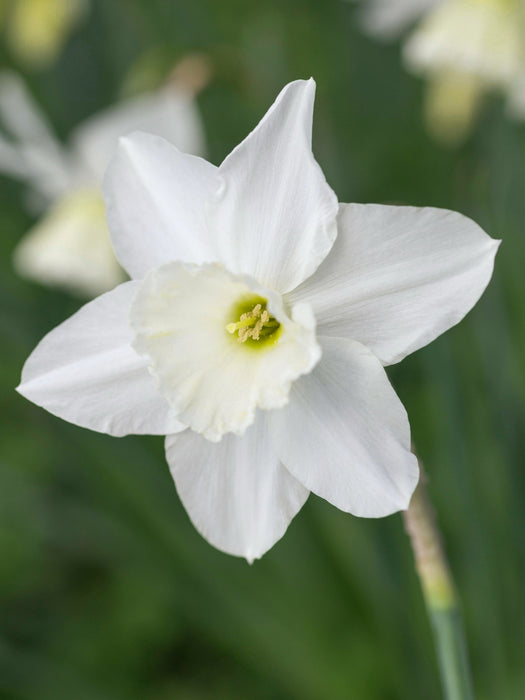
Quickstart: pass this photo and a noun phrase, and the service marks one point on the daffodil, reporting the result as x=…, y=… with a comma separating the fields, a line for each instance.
x=256, y=326
x=70, y=246
x=464, y=48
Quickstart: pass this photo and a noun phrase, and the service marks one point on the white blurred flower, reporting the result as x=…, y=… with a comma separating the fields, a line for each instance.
x=36, y=30
x=70, y=245
x=388, y=18
x=464, y=48
x=256, y=326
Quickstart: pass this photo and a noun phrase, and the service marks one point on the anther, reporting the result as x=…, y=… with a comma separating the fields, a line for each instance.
x=253, y=324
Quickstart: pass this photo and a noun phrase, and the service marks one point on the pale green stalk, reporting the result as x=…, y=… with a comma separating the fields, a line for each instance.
x=440, y=595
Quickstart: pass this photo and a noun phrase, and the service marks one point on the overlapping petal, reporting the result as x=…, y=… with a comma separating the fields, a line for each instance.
x=86, y=372
x=275, y=216
x=155, y=201
x=398, y=277
x=345, y=435
x=236, y=492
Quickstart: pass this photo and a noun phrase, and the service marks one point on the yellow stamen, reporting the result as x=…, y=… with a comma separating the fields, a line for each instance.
x=252, y=324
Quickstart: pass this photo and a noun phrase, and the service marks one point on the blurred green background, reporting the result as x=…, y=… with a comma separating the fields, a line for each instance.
x=106, y=590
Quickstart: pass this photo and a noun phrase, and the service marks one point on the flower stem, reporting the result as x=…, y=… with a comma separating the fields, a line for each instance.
x=440, y=595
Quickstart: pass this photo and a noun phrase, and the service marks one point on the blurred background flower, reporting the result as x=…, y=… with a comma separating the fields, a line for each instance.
x=70, y=245
x=35, y=30
x=464, y=49
x=106, y=590
x=388, y=18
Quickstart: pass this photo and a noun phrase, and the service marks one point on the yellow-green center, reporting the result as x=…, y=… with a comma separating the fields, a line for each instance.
x=255, y=326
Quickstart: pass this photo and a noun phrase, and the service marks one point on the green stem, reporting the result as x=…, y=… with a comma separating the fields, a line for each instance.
x=440, y=595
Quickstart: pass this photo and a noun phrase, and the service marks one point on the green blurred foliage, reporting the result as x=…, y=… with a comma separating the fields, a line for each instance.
x=106, y=590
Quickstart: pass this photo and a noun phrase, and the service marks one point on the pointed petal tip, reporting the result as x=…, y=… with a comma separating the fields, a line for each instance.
x=406, y=505
x=252, y=556
x=401, y=500
x=308, y=85
x=69, y=372
x=493, y=245
x=275, y=193
x=237, y=494
x=137, y=136
x=448, y=258
x=412, y=482
x=123, y=141
x=127, y=141
x=24, y=386
x=301, y=88
x=369, y=477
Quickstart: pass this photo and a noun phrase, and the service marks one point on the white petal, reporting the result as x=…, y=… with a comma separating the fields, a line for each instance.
x=237, y=494
x=155, y=199
x=86, y=372
x=171, y=113
x=398, y=277
x=213, y=381
x=345, y=435
x=275, y=216
x=22, y=115
x=70, y=247
x=12, y=163
x=46, y=165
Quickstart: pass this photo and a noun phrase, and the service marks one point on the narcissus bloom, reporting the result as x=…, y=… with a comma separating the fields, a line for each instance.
x=70, y=246
x=464, y=48
x=256, y=326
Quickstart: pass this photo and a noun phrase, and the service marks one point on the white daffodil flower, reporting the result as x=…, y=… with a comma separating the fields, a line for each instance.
x=70, y=245
x=256, y=326
x=464, y=48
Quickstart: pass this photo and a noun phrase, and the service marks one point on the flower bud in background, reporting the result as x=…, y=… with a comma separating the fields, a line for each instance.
x=69, y=246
